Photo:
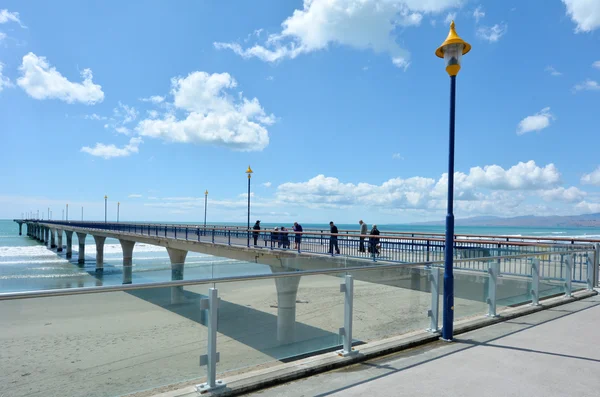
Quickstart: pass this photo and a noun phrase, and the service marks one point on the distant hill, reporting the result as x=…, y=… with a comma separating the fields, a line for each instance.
x=587, y=220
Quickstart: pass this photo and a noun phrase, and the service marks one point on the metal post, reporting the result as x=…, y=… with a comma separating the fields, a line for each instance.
x=67, y=212
x=434, y=312
x=569, y=274
x=596, y=263
x=205, y=202
x=248, y=210
x=211, y=358
x=494, y=270
x=105, y=208
x=346, y=331
x=448, y=311
x=590, y=270
x=535, y=282
x=82, y=213
x=118, y=209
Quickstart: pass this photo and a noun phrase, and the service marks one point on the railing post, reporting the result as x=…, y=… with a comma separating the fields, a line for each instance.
x=590, y=270
x=186, y=233
x=211, y=358
x=535, y=282
x=569, y=274
x=229, y=237
x=346, y=331
x=493, y=270
x=434, y=312
x=165, y=231
x=213, y=236
x=596, y=264
x=175, y=231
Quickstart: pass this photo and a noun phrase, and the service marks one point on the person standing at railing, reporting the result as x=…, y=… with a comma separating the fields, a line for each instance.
x=298, y=236
x=285, y=240
x=256, y=232
x=374, y=241
x=275, y=238
x=363, y=232
x=333, y=238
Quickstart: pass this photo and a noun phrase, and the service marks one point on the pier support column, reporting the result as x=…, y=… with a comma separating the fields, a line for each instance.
x=20, y=228
x=127, y=247
x=69, y=244
x=99, y=253
x=287, y=290
x=81, y=254
x=52, y=238
x=46, y=236
x=59, y=246
x=177, y=264
x=38, y=233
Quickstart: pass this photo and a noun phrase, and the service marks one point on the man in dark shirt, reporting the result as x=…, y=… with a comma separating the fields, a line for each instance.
x=333, y=239
x=256, y=231
x=374, y=241
x=298, y=236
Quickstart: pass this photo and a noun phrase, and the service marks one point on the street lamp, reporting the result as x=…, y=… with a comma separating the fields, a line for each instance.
x=67, y=218
x=49, y=214
x=205, y=200
x=118, y=206
x=249, y=172
x=82, y=213
x=452, y=51
x=105, y=207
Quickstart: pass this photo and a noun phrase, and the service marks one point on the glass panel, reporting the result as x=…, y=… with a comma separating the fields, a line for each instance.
x=470, y=291
x=103, y=344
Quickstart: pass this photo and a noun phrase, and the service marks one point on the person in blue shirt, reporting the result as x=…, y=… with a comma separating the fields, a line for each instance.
x=333, y=239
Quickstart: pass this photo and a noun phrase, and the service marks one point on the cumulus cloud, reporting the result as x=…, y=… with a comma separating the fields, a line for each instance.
x=492, y=33
x=42, y=81
x=537, y=122
x=449, y=18
x=4, y=81
x=584, y=13
x=94, y=116
x=552, y=71
x=587, y=207
x=397, y=156
x=110, y=151
x=364, y=25
x=478, y=14
x=569, y=195
x=593, y=178
x=125, y=113
x=2, y=36
x=135, y=196
x=7, y=16
x=213, y=116
x=588, y=85
x=267, y=184
x=484, y=187
x=596, y=65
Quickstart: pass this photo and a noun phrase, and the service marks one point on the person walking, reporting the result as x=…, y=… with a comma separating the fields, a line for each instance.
x=333, y=239
x=363, y=232
x=298, y=236
x=374, y=241
x=256, y=232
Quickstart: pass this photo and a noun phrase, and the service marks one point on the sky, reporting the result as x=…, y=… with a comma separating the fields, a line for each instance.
x=340, y=107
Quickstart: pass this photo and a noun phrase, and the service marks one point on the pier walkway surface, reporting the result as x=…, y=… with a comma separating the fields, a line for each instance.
x=549, y=353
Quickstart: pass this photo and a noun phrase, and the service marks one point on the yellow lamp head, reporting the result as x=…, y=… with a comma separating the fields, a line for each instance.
x=249, y=172
x=452, y=50
x=105, y=197
x=206, y=193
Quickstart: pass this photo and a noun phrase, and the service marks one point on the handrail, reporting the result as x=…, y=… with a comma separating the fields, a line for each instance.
x=182, y=283
x=74, y=224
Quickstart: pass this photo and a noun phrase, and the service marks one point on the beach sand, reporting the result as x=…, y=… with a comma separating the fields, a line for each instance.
x=122, y=342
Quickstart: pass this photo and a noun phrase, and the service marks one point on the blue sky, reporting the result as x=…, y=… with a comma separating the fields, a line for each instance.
x=340, y=107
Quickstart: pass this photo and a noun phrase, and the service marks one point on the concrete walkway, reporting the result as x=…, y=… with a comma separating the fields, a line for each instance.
x=554, y=352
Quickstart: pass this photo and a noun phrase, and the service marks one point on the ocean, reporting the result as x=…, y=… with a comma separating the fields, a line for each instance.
x=27, y=265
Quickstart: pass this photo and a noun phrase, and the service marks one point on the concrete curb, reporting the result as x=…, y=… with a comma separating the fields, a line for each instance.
x=261, y=379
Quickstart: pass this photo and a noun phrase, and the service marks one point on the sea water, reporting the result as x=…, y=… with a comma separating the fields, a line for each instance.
x=28, y=265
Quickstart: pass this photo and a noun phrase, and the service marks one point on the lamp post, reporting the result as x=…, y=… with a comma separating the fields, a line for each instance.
x=249, y=172
x=67, y=218
x=205, y=200
x=118, y=207
x=49, y=214
x=105, y=207
x=82, y=213
x=63, y=215
x=452, y=51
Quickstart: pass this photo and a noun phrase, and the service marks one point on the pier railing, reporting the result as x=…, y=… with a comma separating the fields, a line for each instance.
x=385, y=248
x=115, y=340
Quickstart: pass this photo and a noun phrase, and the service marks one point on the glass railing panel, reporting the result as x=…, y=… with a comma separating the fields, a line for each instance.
x=470, y=290
x=102, y=344
x=257, y=323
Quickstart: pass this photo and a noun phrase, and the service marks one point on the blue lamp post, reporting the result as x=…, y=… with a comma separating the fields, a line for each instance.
x=249, y=172
x=452, y=51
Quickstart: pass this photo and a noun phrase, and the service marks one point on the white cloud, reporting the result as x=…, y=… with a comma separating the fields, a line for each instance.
x=587, y=207
x=110, y=151
x=2, y=36
x=584, y=13
x=552, y=71
x=267, y=184
x=156, y=99
x=588, y=85
x=397, y=156
x=596, y=65
x=41, y=81
x=135, y=196
x=449, y=18
x=478, y=14
x=270, y=78
x=122, y=130
x=4, y=81
x=569, y=195
x=7, y=16
x=593, y=178
x=364, y=25
x=126, y=113
x=537, y=122
x=213, y=116
x=492, y=33
x=483, y=187
x=152, y=114
x=94, y=116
